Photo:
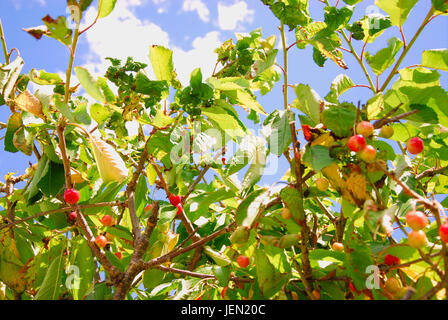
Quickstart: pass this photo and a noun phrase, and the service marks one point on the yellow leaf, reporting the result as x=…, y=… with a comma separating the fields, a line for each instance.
x=357, y=185
x=29, y=103
x=110, y=165
x=334, y=176
x=325, y=140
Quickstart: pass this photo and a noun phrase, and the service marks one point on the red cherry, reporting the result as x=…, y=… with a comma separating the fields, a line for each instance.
x=72, y=196
x=107, y=220
x=307, y=132
x=365, y=128
x=368, y=153
x=180, y=209
x=223, y=161
x=223, y=292
x=101, y=241
x=72, y=216
x=119, y=255
x=391, y=260
x=415, y=145
x=443, y=232
x=243, y=261
x=175, y=200
x=352, y=288
x=416, y=220
x=356, y=143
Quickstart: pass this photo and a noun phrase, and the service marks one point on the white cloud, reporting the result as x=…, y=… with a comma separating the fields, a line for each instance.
x=201, y=55
x=162, y=5
x=122, y=34
x=229, y=16
x=18, y=4
x=199, y=7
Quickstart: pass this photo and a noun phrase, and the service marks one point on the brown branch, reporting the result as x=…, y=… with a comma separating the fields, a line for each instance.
x=431, y=172
x=133, y=214
x=380, y=123
x=201, y=275
x=434, y=290
x=65, y=209
x=178, y=251
x=141, y=246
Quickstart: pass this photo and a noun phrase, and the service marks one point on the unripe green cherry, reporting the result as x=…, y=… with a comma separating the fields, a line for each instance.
x=386, y=132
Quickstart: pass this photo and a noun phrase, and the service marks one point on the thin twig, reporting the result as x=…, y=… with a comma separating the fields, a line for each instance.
x=66, y=209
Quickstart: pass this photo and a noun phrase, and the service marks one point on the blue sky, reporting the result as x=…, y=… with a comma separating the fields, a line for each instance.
x=192, y=29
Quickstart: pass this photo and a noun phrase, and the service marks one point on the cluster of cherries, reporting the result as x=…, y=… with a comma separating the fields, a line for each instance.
x=368, y=153
x=72, y=196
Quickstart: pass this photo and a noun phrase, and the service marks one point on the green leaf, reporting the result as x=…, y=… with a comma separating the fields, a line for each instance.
x=384, y=58
x=64, y=108
x=82, y=258
x=162, y=62
x=340, y=84
x=89, y=83
x=80, y=113
x=435, y=58
x=225, y=118
x=318, y=157
x=140, y=195
x=375, y=106
x=57, y=29
x=9, y=75
x=161, y=120
x=219, y=258
x=292, y=198
x=262, y=65
x=440, y=6
x=268, y=278
x=33, y=189
x=152, y=278
x=151, y=174
x=244, y=99
x=291, y=13
x=352, y=2
x=370, y=27
x=107, y=92
x=340, y=119
x=14, y=123
x=44, y=78
x=398, y=10
x=105, y=7
x=100, y=113
x=278, y=131
x=196, y=78
x=308, y=101
x=337, y=18
x=84, y=4
x=247, y=211
x=24, y=140
x=156, y=89
x=255, y=171
x=358, y=258
x=228, y=84
x=50, y=288
x=308, y=32
x=222, y=274
x=52, y=179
